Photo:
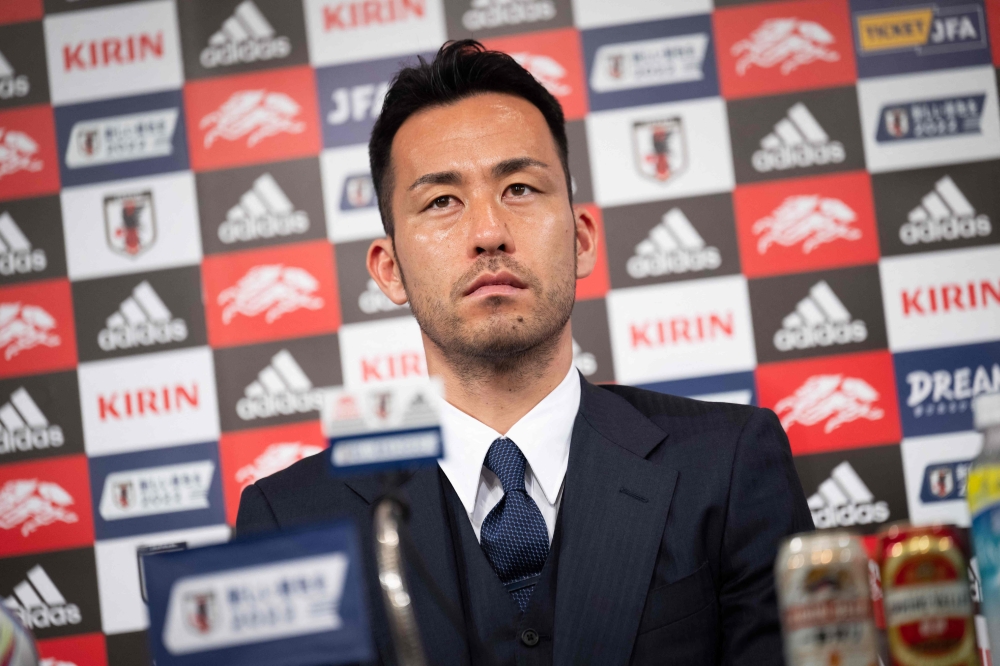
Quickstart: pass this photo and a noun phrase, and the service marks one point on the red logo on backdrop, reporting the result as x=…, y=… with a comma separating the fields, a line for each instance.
x=36, y=328
x=250, y=455
x=806, y=224
x=993, y=23
x=15, y=11
x=932, y=299
x=28, y=158
x=835, y=402
x=554, y=58
x=82, y=650
x=252, y=118
x=45, y=505
x=597, y=284
x=97, y=54
x=349, y=15
x=779, y=47
x=259, y=295
x=147, y=401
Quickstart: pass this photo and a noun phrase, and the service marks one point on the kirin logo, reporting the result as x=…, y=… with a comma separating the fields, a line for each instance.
x=788, y=42
x=275, y=458
x=809, y=220
x=255, y=114
x=30, y=504
x=23, y=327
x=546, y=70
x=17, y=153
x=273, y=289
x=833, y=400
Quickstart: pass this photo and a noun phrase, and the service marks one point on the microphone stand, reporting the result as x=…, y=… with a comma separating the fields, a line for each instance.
x=390, y=515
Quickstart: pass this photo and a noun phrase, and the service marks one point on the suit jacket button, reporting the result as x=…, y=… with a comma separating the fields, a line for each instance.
x=529, y=637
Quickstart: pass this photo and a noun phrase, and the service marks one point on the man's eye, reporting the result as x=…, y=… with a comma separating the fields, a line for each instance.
x=441, y=202
x=519, y=190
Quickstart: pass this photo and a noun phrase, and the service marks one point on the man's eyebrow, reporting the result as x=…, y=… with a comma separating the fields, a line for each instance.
x=516, y=164
x=437, y=178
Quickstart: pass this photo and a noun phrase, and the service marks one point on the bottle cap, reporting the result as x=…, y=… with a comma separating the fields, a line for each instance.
x=986, y=408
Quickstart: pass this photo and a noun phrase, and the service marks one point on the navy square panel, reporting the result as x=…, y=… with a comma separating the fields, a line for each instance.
x=121, y=138
x=893, y=37
x=736, y=387
x=647, y=63
x=937, y=386
x=155, y=491
x=350, y=97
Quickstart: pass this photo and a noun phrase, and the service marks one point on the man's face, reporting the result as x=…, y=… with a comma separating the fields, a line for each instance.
x=486, y=241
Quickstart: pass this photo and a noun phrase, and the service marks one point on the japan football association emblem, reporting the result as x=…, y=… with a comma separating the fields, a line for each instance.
x=130, y=222
x=200, y=611
x=660, y=149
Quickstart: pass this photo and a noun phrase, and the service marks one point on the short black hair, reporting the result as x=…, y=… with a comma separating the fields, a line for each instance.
x=460, y=69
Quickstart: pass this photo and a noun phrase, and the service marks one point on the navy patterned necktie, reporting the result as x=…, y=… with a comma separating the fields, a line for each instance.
x=514, y=536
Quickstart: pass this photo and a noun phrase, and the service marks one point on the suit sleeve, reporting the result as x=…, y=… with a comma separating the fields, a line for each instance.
x=255, y=513
x=766, y=504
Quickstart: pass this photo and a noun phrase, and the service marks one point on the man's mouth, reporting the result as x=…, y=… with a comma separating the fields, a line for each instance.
x=498, y=284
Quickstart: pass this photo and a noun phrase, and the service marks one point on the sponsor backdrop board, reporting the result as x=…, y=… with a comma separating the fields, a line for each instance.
x=796, y=206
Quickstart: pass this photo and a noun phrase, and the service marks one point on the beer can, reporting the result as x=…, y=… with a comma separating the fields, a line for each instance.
x=926, y=597
x=823, y=594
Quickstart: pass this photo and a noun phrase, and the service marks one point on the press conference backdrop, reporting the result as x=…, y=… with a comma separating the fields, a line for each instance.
x=799, y=207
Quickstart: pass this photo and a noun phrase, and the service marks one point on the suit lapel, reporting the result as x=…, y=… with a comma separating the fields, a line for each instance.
x=443, y=643
x=614, y=510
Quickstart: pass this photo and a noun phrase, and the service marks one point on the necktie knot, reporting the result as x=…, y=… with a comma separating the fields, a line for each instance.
x=506, y=461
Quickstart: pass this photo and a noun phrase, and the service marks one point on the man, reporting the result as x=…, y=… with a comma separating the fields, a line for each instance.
x=569, y=523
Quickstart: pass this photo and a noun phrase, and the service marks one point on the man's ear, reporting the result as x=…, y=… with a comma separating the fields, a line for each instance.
x=384, y=269
x=586, y=241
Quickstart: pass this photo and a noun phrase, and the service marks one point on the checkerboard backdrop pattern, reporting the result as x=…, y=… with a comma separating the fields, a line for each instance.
x=799, y=205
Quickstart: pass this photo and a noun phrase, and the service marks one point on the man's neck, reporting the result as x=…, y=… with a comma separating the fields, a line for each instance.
x=500, y=398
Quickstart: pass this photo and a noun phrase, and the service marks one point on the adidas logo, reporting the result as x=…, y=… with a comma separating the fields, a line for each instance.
x=263, y=212
x=39, y=603
x=673, y=246
x=16, y=254
x=844, y=500
x=282, y=388
x=797, y=141
x=584, y=361
x=820, y=320
x=11, y=85
x=23, y=426
x=246, y=36
x=944, y=214
x=142, y=320
x=372, y=300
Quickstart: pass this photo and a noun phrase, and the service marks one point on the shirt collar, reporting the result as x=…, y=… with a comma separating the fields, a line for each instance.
x=543, y=435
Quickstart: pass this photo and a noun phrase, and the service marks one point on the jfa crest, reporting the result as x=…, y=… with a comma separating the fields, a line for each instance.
x=200, y=611
x=130, y=222
x=660, y=148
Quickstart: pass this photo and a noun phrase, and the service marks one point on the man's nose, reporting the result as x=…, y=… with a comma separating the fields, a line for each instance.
x=488, y=229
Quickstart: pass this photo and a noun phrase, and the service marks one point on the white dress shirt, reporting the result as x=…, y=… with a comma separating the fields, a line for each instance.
x=543, y=435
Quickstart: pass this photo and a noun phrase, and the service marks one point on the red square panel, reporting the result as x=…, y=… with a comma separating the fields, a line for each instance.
x=806, y=224
x=29, y=163
x=250, y=455
x=15, y=11
x=597, y=284
x=252, y=118
x=993, y=22
x=784, y=46
x=45, y=505
x=555, y=58
x=82, y=650
x=834, y=402
x=37, y=333
x=259, y=295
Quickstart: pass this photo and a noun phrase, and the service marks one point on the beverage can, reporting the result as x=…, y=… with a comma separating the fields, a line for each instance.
x=926, y=597
x=823, y=593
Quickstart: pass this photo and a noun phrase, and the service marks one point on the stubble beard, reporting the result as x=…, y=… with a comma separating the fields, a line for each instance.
x=502, y=345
